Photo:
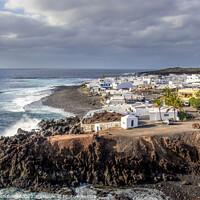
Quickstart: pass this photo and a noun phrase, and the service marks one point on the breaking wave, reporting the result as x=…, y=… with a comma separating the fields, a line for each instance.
x=24, y=123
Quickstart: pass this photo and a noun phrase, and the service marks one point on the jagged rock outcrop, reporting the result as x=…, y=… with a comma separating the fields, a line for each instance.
x=103, y=117
x=36, y=163
x=70, y=125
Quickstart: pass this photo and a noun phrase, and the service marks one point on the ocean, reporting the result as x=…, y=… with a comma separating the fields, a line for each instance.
x=21, y=91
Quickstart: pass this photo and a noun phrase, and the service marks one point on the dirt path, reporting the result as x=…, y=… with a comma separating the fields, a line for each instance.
x=148, y=130
x=156, y=129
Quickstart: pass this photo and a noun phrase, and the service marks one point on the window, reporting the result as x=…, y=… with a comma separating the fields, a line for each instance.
x=166, y=115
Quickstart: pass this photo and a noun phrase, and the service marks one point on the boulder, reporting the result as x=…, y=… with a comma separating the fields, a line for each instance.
x=195, y=126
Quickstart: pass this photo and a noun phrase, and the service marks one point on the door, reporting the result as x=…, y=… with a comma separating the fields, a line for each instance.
x=132, y=123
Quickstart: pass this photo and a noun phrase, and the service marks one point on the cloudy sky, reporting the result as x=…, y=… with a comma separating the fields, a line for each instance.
x=99, y=33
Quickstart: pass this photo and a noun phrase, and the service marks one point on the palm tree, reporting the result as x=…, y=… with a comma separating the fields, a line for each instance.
x=159, y=104
x=167, y=92
x=175, y=102
x=198, y=94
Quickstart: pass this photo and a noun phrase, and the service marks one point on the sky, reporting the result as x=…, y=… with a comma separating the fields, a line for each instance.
x=99, y=33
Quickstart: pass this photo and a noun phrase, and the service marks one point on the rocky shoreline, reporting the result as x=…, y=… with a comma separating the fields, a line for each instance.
x=170, y=164
x=72, y=99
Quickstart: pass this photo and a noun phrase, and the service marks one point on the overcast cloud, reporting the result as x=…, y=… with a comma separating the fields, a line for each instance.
x=99, y=33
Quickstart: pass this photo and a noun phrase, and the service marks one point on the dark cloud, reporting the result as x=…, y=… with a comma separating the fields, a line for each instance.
x=115, y=33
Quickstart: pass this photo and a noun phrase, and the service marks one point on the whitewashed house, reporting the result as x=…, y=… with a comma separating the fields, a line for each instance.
x=129, y=121
x=92, y=84
x=166, y=114
x=105, y=83
x=146, y=81
x=141, y=110
x=116, y=100
x=116, y=108
x=128, y=95
x=194, y=78
x=123, y=85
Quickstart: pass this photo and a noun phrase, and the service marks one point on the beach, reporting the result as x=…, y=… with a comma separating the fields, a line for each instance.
x=73, y=99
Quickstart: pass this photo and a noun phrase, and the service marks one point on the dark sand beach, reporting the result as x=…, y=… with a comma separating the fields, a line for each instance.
x=73, y=99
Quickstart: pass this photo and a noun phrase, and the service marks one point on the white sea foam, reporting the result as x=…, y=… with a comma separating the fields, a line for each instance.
x=85, y=192
x=29, y=91
x=24, y=123
x=22, y=97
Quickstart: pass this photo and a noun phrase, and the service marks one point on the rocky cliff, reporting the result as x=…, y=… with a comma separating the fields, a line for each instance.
x=32, y=161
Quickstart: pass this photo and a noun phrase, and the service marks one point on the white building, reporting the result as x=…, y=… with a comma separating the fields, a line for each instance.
x=129, y=121
x=166, y=114
x=123, y=85
x=128, y=95
x=141, y=110
x=105, y=83
x=92, y=84
x=194, y=78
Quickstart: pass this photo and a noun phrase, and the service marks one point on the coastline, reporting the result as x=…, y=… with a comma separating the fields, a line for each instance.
x=72, y=99
x=52, y=158
x=75, y=100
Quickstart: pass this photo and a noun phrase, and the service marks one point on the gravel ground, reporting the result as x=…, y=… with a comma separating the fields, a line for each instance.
x=72, y=99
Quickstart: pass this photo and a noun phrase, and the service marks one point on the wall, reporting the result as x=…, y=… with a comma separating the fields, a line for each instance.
x=88, y=127
x=102, y=126
x=107, y=125
x=155, y=116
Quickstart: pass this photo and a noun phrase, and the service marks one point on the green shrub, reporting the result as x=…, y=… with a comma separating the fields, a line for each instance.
x=182, y=116
x=191, y=100
x=196, y=104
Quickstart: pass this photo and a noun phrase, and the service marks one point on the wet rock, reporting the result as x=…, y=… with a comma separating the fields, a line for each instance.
x=66, y=191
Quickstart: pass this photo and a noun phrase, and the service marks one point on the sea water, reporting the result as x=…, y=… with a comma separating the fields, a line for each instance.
x=85, y=193
x=20, y=107
x=22, y=89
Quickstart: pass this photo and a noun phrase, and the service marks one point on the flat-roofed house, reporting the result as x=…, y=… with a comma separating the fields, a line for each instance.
x=129, y=121
x=166, y=113
x=187, y=93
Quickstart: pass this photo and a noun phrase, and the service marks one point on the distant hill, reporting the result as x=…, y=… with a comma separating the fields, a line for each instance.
x=175, y=70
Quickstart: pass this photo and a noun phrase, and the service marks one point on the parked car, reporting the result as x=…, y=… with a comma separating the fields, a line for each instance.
x=186, y=103
x=168, y=121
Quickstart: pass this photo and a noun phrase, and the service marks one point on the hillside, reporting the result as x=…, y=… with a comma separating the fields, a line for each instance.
x=175, y=70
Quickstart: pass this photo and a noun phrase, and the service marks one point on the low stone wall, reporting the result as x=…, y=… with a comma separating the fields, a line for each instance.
x=107, y=125
x=102, y=126
x=88, y=127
